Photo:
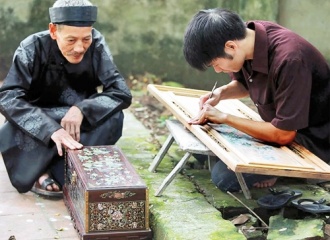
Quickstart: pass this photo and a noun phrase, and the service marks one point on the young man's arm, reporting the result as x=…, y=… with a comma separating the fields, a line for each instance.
x=264, y=131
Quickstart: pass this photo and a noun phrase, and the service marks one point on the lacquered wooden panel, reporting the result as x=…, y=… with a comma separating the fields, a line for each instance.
x=239, y=151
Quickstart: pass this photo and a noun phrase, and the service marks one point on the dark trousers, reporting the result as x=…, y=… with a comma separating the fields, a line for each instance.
x=24, y=167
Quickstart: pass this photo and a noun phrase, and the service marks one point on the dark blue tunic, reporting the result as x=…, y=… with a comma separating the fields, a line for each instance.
x=40, y=88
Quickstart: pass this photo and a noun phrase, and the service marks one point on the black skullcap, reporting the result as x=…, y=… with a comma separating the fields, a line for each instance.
x=74, y=15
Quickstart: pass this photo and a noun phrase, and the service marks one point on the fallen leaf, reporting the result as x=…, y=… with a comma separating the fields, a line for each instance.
x=243, y=218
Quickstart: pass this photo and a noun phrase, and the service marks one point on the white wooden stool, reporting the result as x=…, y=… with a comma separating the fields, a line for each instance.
x=190, y=144
x=187, y=142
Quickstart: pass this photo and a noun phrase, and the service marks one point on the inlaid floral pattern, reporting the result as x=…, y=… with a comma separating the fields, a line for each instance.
x=117, y=215
x=117, y=194
x=108, y=169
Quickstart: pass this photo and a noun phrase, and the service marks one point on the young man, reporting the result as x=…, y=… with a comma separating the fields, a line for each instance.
x=50, y=99
x=286, y=77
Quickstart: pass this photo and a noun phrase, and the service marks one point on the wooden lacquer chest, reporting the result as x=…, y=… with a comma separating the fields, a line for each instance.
x=105, y=196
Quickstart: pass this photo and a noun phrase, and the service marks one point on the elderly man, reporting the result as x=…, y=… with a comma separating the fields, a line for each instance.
x=286, y=77
x=50, y=99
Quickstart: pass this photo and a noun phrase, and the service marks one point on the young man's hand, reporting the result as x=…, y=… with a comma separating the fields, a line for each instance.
x=208, y=114
x=209, y=98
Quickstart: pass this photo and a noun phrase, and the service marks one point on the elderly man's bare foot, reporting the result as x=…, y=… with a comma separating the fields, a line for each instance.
x=51, y=187
x=266, y=183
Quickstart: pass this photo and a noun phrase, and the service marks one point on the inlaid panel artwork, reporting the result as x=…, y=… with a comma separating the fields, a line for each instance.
x=257, y=152
x=108, y=170
x=241, y=152
x=105, y=216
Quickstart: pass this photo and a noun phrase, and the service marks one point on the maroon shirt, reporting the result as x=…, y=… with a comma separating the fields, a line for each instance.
x=289, y=82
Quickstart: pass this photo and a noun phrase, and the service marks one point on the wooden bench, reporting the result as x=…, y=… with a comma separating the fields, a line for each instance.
x=190, y=145
x=239, y=151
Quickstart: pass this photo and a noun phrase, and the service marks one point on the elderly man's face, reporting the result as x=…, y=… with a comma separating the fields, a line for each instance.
x=73, y=42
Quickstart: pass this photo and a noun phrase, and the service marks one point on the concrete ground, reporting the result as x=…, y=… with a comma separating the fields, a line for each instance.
x=191, y=208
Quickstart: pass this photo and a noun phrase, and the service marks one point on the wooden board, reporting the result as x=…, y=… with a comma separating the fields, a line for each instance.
x=239, y=151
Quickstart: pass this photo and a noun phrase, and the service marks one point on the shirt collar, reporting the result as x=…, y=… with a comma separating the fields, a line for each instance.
x=260, y=55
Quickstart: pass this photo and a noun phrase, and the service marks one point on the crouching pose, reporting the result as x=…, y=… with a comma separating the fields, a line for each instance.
x=50, y=99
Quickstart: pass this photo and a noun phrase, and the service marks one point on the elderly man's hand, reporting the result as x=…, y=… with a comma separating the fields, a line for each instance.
x=71, y=122
x=63, y=139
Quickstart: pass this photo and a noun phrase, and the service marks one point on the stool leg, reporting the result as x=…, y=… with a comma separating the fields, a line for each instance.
x=172, y=174
x=244, y=188
x=211, y=161
x=160, y=155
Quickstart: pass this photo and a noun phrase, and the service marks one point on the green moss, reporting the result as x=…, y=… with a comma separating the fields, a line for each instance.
x=181, y=209
x=225, y=235
x=188, y=207
x=219, y=199
x=294, y=229
x=182, y=214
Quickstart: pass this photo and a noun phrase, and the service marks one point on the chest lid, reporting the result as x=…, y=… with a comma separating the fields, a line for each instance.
x=102, y=167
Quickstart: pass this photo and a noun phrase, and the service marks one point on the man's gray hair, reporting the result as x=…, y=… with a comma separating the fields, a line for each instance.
x=72, y=3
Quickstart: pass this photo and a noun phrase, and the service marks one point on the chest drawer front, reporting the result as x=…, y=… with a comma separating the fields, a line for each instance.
x=117, y=215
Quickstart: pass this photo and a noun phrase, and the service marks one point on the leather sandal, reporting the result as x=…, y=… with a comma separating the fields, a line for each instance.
x=311, y=206
x=278, y=199
x=42, y=189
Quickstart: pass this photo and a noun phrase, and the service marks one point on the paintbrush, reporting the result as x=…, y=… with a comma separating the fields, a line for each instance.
x=207, y=122
x=214, y=87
